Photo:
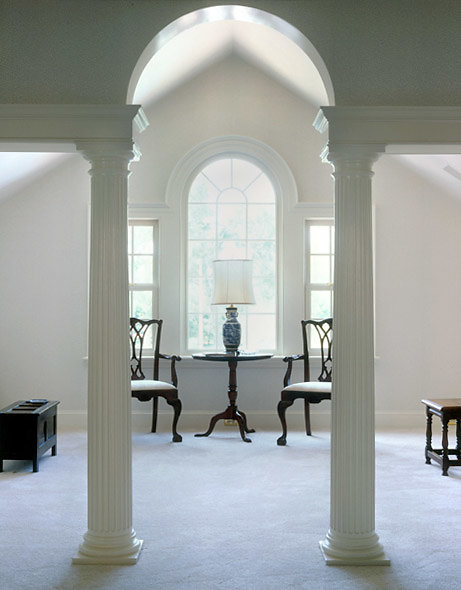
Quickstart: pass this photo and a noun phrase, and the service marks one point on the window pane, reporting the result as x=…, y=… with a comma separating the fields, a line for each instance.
x=219, y=173
x=143, y=271
x=261, y=191
x=261, y=331
x=201, y=330
x=231, y=221
x=202, y=221
x=264, y=290
x=143, y=240
x=229, y=227
x=320, y=239
x=142, y=305
x=232, y=249
x=320, y=269
x=232, y=195
x=202, y=191
x=200, y=293
x=201, y=256
x=261, y=221
x=244, y=173
x=263, y=255
x=320, y=305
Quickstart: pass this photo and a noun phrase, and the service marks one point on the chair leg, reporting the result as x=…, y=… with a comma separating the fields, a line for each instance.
x=281, y=409
x=307, y=417
x=154, y=414
x=176, y=403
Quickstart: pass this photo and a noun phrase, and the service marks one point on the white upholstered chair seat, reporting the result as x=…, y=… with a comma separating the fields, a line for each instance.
x=314, y=386
x=150, y=385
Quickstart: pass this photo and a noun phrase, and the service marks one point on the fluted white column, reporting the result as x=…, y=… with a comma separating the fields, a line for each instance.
x=351, y=539
x=110, y=538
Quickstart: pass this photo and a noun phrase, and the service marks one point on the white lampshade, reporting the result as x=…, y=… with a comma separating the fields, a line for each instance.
x=233, y=282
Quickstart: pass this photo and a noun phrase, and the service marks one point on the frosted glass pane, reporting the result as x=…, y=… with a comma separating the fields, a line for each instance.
x=320, y=269
x=244, y=173
x=320, y=305
x=264, y=290
x=199, y=293
x=142, y=305
x=231, y=222
x=263, y=255
x=201, y=331
x=143, y=271
x=261, y=221
x=143, y=239
x=320, y=239
x=261, y=191
x=201, y=255
x=232, y=195
x=232, y=249
x=219, y=173
x=202, y=191
x=202, y=221
x=261, y=332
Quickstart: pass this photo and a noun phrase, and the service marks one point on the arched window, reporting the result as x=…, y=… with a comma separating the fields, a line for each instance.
x=231, y=214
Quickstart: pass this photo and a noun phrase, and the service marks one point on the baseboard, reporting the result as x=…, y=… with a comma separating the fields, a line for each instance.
x=197, y=420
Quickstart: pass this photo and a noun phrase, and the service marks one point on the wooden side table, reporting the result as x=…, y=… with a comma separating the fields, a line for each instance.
x=27, y=430
x=231, y=412
x=446, y=410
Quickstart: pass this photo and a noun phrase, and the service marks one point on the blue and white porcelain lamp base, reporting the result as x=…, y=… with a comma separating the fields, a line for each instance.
x=231, y=330
x=233, y=284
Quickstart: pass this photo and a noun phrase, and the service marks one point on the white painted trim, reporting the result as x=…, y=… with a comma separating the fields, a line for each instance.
x=217, y=147
x=194, y=420
x=379, y=127
x=67, y=123
x=316, y=210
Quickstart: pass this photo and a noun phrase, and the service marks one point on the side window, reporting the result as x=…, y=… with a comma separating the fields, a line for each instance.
x=231, y=214
x=143, y=267
x=319, y=268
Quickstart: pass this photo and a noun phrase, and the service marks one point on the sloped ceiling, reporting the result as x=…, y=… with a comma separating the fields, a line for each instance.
x=196, y=49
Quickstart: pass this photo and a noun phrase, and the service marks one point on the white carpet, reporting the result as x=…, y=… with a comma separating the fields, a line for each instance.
x=217, y=513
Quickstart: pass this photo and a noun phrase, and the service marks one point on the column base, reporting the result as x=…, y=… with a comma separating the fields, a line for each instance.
x=108, y=550
x=340, y=549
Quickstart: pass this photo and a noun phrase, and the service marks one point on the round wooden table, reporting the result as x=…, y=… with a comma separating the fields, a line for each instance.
x=231, y=412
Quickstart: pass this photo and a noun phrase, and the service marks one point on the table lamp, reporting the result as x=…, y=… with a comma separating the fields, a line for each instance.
x=233, y=284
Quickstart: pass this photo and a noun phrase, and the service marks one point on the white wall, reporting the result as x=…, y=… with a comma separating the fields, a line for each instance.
x=43, y=265
x=43, y=269
x=230, y=98
x=418, y=290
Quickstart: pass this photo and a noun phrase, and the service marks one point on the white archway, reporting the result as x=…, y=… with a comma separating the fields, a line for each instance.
x=215, y=14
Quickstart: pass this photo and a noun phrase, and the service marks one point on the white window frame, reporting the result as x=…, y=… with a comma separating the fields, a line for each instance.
x=308, y=286
x=282, y=180
x=154, y=286
x=243, y=312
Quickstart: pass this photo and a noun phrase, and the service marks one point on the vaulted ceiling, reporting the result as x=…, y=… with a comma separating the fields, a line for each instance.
x=196, y=49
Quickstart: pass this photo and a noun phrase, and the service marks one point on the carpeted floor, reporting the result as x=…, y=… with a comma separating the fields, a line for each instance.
x=217, y=513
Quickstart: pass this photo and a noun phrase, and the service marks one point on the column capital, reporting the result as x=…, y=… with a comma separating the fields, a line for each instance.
x=102, y=150
x=359, y=157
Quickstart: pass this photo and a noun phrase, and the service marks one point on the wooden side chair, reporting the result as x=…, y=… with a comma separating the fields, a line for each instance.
x=313, y=392
x=146, y=389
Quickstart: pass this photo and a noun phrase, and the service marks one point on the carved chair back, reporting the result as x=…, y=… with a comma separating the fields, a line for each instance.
x=324, y=330
x=138, y=331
